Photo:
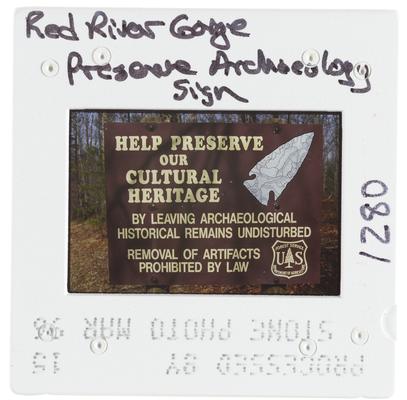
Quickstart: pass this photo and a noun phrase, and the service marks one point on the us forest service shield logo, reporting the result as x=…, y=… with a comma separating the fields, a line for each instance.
x=289, y=258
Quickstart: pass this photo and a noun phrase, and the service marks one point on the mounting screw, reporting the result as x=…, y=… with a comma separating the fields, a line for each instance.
x=47, y=332
x=310, y=58
x=49, y=68
x=276, y=129
x=98, y=345
x=362, y=70
x=359, y=336
x=308, y=347
x=101, y=56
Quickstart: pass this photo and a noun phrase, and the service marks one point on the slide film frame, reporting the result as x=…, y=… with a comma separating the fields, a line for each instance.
x=193, y=344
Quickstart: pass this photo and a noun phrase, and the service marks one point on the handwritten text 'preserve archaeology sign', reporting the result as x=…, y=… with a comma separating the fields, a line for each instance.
x=213, y=204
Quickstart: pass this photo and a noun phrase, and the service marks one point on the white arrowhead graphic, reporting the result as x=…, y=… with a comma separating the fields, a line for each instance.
x=276, y=170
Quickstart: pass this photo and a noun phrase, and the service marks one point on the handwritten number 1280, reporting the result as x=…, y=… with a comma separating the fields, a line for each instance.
x=372, y=189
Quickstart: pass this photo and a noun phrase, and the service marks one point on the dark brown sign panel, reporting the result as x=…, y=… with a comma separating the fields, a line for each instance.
x=213, y=203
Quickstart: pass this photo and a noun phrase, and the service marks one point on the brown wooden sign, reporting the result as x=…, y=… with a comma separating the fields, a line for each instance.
x=213, y=203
